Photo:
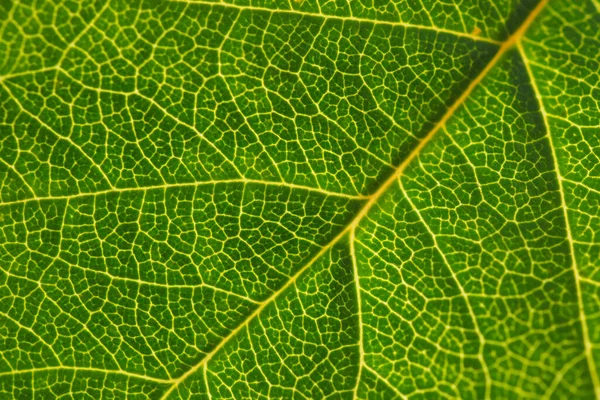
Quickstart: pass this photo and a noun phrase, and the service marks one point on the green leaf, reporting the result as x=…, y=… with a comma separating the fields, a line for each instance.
x=302, y=200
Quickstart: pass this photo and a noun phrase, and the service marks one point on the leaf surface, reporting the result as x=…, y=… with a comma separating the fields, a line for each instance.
x=305, y=199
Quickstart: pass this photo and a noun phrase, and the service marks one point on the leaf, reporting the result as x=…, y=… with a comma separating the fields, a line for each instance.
x=307, y=199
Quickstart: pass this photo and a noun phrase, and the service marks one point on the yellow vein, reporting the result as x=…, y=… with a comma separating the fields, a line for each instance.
x=234, y=99
x=387, y=383
x=187, y=185
x=63, y=137
x=464, y=294
x=85, y=369
x=161, y=108
x=18, y=175
x=206, y=383
x=82, y=33
x=555, y=70
x=133, y=280
x=31, y=330
x=340, y=18
x=588, y=280
x=359, y=311
x=582, y=317
x=27, y=73
x=558, y=378
x=582, y=185
x=373, y=199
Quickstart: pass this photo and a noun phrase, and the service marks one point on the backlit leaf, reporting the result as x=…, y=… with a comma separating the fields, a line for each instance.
x=309, y=199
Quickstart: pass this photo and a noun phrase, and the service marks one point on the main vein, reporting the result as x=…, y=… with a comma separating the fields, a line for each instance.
x=508, y=44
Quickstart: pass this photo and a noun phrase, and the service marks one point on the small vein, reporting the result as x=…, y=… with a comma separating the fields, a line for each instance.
x=147, y=283
x=82, y=33
x=556, y=71
x=588, y=280
x=63, y=137
x=32, y=332
x=205, y=373
x=583, y=185
x=21, y=177
x=161, y=108
x=488, y=379
x=561, y=375
x=384, y=380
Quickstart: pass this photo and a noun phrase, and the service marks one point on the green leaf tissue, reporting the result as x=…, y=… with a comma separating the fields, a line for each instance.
x=299, y=199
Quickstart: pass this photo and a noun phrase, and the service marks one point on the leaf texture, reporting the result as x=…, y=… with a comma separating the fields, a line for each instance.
x=300, y=200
